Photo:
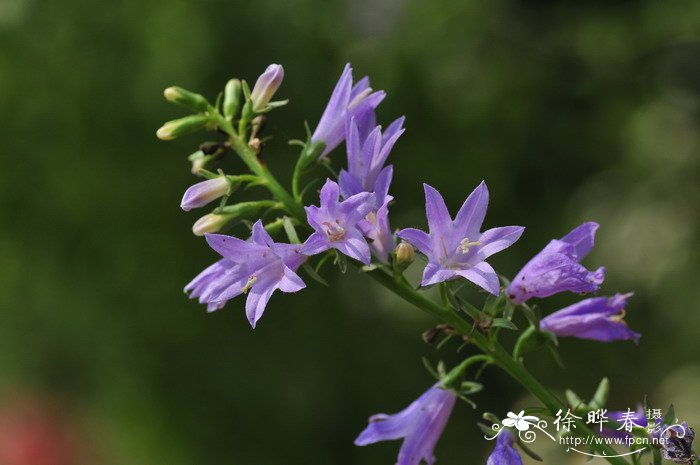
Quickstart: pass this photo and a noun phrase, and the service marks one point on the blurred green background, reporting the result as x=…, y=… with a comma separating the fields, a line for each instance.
x=570, y=112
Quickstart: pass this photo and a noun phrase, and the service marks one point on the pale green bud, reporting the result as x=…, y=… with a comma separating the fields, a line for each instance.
x=186, y=98
x=232, y=98
x=404, y=254
x=179, y=127
x=210, y=223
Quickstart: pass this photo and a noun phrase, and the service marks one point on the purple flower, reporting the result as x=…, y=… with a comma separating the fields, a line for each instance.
x=266, y=86
x=420, y=425
x=376, y=227
x=346, y=101
x=458, y=248
x=258, y=267
x=366, y=156
x=200, y=194
x=336, y=223
x=504, y=453
x=625, y=421
x=676, y=442
x=598, y=318
x=556, y=268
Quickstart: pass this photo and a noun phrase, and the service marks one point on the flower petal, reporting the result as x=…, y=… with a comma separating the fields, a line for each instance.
x=354, y=246
x=483, y=275
x=419, y=239
x=497, y=239
x=471, y=216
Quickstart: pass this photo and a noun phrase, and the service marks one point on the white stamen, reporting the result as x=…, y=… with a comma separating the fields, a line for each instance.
x=464, y=246
x=249, y=284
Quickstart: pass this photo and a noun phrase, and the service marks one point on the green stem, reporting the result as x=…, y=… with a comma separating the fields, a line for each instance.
x=250, y=158
x=499, y=355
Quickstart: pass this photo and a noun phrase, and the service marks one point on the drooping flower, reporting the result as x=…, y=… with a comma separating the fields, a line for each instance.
x=336, y=224
x=200, y=194
x=557, y=269
x=458, y=248
x=504, y=453
x=597, y=318
x=366, y=156
x=676, y=442
x=346, y=100
x=258, y=267
x=420, y=425
x=266, y=86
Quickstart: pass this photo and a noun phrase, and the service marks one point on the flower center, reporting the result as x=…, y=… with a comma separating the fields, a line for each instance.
x=249, y=284
x=464, y=246
x=334, y=231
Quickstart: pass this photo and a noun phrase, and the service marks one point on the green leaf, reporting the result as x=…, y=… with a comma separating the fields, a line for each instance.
x=600, y=398
x=315, y=276
x=428, y=366
x=341, y=261
x=503, y=323
x=291, y=231
x=470, y=387
x=573, y=399
x=670, y=417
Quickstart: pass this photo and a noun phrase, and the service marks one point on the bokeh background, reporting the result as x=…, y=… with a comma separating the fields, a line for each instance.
x=570, y=112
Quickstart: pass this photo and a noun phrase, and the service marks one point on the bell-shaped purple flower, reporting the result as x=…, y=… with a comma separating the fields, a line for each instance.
x=458, y=248
x=200, y=194
x=266, y=86
x=258, y=267
x=376, y=227
x=597, y=318
x=676, y=442
x=504, y=453
x=366, y=156
x=557, y=269
x=346, y=101
x=420, y=425
x=336, y=224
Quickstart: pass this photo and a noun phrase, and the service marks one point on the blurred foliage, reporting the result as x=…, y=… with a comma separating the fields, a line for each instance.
x=570, y=111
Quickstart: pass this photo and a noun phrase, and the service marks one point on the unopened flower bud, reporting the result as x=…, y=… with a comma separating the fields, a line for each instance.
x=210, y=223
x=266, y=86
x=179, y=127
x=404, y=254
x=204, y=192
x=232, y=98
x=186, y=98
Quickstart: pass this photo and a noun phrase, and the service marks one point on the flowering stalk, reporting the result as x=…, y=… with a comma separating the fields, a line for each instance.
x=399, y=286
x=354, y=210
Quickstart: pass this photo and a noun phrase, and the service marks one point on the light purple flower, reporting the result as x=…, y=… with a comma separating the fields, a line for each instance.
x=420, y=425
x=200, y=194
x=336, y=224
x=504, y=453
x=376, y=227
x=258, y=267
x=266, y=86
x=366, y=156
x=346, y=101
x=556, y=268
x=597, y=318
x=458, y=248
